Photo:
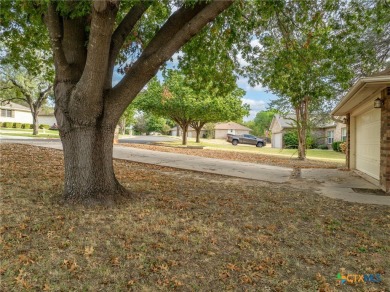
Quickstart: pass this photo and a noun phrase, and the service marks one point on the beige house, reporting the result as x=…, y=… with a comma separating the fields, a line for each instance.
x=325, y=134
x=220, y=130
x=333, y=132
x=279, y=126
x=15, y=113
x=366, y=110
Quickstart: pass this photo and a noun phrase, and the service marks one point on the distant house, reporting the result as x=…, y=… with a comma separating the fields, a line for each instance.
x=366, y=109
x=279, y=126
x=325, y=134
x=220, y=130
x=15, y=113
x=46, y=117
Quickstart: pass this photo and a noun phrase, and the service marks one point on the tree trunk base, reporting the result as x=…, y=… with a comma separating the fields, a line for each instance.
x=99, y=197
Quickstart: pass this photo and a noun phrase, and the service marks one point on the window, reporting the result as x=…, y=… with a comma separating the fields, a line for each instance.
x=344, y=134
x=330, y=136
x=6, y=113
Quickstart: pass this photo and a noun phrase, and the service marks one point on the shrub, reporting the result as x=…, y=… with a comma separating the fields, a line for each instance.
x=290, y=140
x=322, y=147
x=43, y=126
x=26, y=126
x=17, y=125
x=336, y=146
x=8, y=124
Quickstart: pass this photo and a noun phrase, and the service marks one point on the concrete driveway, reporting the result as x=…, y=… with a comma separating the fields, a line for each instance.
x=332, y=183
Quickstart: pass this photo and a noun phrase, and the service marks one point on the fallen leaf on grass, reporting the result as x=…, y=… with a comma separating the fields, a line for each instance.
x=88, y=251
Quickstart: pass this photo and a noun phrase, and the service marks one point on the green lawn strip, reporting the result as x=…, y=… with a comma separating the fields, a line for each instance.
x=40, y=135
x=186, y=231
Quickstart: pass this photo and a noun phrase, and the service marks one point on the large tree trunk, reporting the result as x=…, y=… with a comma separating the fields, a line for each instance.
x=87, y=107
x=89, y=172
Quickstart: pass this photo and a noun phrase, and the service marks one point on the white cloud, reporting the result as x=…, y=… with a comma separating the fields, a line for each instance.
x=255, y=107
x=243, y=83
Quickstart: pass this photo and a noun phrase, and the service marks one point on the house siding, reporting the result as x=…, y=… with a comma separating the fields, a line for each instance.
x=47, y=120
x=385, y=141
x=18, y=117
x=222, y=134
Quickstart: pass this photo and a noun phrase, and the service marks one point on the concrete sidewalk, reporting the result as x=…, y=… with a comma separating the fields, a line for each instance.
x=332, y=183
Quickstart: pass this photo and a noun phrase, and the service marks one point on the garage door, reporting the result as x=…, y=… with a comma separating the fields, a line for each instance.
x=368, y=143
x=277, y=140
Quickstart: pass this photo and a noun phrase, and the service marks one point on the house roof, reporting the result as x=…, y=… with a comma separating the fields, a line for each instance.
x=362, y=90
x=14, y=106
x=230, y=126
x=285, y=122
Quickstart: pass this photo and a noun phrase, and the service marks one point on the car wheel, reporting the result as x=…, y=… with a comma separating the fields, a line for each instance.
x=234, y=142
x=259, y=144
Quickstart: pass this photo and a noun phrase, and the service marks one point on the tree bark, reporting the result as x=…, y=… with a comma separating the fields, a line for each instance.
x=197, y=135
x=89, y=172
x=35, y=122
x=184, y=137
x=302, y=116
x=198, y=128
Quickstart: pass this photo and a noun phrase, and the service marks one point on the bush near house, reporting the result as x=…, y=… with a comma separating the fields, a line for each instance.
x=336, y=146
x=43, y=126
x=290, y=140
x=8, y=124
x=17, y=125
x=322, y=147
x=27, y=126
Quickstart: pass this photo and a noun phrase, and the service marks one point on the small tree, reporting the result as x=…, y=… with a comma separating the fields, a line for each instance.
x=177, y=100
x=33, y=89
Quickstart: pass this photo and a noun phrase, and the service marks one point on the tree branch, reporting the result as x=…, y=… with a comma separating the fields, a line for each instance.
x=54, y=26
x=120, y=34
x=92, y=80
x=179, y=29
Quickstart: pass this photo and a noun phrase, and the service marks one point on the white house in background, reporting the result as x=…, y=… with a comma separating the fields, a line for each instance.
x=47, y=119
x=220, y=130
x=366, y=110
x=15, y=113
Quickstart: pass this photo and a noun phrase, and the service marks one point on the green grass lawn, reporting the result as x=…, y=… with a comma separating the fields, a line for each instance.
x=42, y=133
x=316, y=154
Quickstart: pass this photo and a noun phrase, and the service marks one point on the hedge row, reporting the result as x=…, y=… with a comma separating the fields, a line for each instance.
x=22, y=126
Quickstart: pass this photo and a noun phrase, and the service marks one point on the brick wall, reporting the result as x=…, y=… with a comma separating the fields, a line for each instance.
x=385, y=141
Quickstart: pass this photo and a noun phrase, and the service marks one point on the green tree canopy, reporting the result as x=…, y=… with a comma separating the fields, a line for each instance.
x=187, y=103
